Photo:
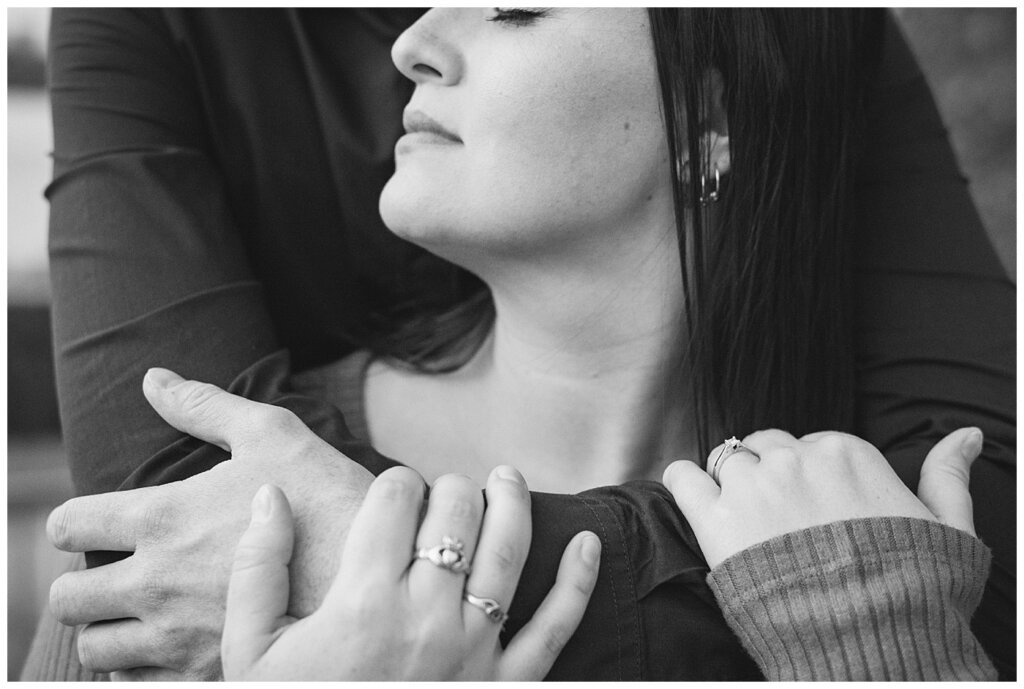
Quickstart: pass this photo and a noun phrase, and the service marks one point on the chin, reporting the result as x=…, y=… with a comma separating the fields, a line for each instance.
x=412, y=215
x=473, y=233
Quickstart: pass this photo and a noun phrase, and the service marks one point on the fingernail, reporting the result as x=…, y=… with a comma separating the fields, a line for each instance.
x=509, y=473
x=262, y=505
x=162, y=378
x=590, y=550
x=971, y=447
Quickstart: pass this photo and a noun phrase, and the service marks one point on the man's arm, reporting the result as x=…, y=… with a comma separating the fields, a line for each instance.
x=147, y=265
x=936, y=340
x=149, y=270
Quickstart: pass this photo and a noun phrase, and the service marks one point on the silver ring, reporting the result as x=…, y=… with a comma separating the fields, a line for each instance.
x=448, y=555
x=732, y=446
x=490, y=607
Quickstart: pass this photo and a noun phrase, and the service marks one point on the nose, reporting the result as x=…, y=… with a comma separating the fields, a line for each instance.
x=426, y=52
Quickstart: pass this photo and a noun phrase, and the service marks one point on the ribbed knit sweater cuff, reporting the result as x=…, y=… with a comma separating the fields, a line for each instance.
x=864, y=599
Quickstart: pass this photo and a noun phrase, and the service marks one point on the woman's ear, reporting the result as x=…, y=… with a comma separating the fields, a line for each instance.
x=717, y=123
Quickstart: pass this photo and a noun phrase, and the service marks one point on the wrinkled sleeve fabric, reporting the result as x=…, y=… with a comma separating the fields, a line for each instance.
x=148, y=269
x=936, y=338
x=147, y=266
x=881, y=599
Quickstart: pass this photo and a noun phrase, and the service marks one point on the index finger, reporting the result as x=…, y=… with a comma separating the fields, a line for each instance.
x=380, y=541
x=107, y=521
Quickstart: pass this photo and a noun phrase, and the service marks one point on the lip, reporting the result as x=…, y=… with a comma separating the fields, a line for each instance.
x=421, y=127
x=413, y=139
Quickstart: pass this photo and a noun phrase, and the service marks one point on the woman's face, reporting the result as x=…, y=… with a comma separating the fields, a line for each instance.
x=553, y=131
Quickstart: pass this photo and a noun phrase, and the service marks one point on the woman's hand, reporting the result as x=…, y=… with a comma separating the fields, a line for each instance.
x=820, y=478
x=390, y=616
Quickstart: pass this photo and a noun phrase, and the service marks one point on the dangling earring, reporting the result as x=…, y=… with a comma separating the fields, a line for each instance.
x=706, y=196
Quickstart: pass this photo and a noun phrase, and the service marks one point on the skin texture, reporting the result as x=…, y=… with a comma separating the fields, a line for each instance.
x=187, y=559
x=167, y=600
x=386, y=619
x=157, y=630
x=565, y=211
x=556, y=192
x=560, y=129
x=817, y=479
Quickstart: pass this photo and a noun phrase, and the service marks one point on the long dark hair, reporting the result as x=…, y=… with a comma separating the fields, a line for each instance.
x=767, y=275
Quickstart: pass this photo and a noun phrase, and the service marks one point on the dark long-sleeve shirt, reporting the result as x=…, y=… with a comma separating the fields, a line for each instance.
x=215, y=202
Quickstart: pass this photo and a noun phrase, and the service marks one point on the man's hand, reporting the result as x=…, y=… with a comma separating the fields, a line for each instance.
x=387, y=619
x=160, y=612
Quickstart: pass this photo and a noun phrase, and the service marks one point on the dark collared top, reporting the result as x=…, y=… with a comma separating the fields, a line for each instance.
x=215, y=201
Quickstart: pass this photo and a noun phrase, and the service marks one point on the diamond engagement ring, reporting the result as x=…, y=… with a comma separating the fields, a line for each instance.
x=732, y=446
x=448, y=555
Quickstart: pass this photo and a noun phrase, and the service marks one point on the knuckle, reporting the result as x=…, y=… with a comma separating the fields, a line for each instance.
x=461, y=508
x=946, y=471
x=156, y=517
x=764, y=435
x=87, y=655
x=98, y=651
x=58, y=526
x=505, y=558
x=834, y=444
x=276, y=419
x=782, y=455
x=844, y=447
x=365, y=606
x=251, y=554
x=173, y=646
x=196, y=397
x=583, y=585
x=151, y=590
x=555, y=638
x=59, y=599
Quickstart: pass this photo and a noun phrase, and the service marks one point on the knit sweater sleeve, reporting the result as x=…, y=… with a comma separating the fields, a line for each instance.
x=865, y=599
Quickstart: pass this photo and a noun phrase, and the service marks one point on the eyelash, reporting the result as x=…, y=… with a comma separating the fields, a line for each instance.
x=517, y=16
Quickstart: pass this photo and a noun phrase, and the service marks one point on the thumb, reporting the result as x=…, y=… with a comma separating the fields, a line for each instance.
x=257, y=602
x=945, y=476
x=200, y=409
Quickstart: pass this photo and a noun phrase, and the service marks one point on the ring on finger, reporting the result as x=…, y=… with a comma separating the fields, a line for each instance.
x=490, y=607
x=731, y=447
x=449, y=555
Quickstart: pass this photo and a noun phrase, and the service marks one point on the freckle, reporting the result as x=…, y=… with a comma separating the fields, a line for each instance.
x=626, y=126
x=649, y=197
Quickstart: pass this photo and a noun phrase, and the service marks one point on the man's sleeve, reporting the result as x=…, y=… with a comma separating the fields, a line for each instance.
x=936, y=339
x=147, y=265
x=148, y=270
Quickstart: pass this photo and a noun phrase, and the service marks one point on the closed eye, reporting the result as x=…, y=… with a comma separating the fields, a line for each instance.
x=518, y=16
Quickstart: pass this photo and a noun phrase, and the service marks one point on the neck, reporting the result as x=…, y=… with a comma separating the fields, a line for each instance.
x=581, y=375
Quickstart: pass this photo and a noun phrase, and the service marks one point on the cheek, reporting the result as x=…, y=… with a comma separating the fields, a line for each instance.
x=571, y=146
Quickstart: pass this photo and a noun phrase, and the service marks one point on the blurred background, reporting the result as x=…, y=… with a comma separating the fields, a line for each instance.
x=969, y=56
